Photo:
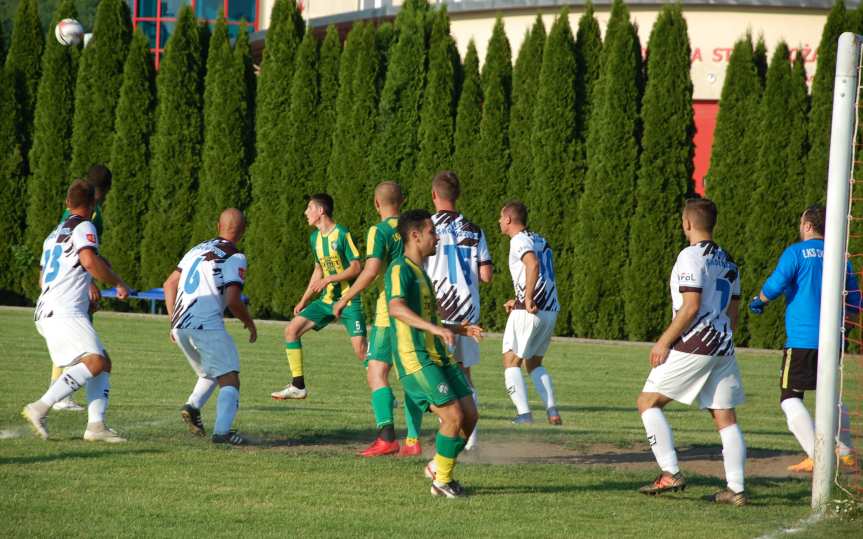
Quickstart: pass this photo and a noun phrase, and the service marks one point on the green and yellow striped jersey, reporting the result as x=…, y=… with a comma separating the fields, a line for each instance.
x=384, y=243
x=96, y=218
x=413, y=349
x=334, y=252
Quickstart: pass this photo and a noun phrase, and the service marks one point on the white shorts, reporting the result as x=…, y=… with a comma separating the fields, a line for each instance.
x=715, y=380
x=69, y=339
x=465, y=351
x=211, y=352
x=528, y=335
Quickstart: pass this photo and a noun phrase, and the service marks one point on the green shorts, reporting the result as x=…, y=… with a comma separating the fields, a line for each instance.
x=380, y=346
x=433, y=385
x=322, y=314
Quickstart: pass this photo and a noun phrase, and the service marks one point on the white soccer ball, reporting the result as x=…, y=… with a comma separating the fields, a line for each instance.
x=69, y=32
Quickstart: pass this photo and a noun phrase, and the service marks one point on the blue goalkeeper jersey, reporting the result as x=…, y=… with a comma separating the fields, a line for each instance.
x=798, y=276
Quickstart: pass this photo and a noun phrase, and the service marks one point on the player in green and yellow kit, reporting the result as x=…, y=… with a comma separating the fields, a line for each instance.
x=431, y=380
x=99, y=176
x=337, y=263
x=383, y=245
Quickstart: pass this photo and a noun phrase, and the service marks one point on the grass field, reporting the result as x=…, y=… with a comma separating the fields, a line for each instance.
x=304, y=479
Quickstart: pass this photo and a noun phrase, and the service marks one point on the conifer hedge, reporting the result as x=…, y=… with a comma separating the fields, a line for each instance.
x=525, y=83
x=328, y=91
x=467, y=125
x=24, y=69
x=12, y=187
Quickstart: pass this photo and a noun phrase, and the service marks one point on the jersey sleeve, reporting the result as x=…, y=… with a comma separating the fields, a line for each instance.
x=234, y=270
x=520, y=245
x=482, y=250
x=735, y=286
x=396, y=281
x=782, y=276
x=351, y=251
x=84, y=236
x=312, y=247
x=690, y=274
x=375, y=244
x=852, y=286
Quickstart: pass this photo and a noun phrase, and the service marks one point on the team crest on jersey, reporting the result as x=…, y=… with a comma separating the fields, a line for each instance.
x=242, y=273
x=333, y=245
x=443, y=389
x=91, y=238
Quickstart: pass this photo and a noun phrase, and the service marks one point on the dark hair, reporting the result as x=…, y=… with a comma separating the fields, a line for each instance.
x=815, y=216
x=100, y=177
x=446, y=185
x=412, y=220
x=702, y=213
x=81, y=193
x=516, y=210
x=323, y=200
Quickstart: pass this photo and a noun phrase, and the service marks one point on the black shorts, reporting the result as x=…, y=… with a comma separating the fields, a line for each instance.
x=799, y=370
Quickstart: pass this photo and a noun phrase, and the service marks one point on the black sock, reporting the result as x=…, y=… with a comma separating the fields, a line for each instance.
x=387, y=433
x=299, y=382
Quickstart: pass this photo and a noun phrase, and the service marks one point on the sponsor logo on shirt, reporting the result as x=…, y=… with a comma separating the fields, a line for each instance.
x=443, y=389
x=688, y=277
x=242, y=274
x=91, y=238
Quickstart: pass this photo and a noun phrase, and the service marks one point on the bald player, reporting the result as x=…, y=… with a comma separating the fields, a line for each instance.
x=207, y=279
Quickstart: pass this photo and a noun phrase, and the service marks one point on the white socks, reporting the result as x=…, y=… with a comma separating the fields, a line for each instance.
x=800, y=424
x=661, y=439
x=226, y=408
x=733, y=456
x=201, y=394
x=542, y=383
x=98, y=388
x=70, y=381
x=517, y=389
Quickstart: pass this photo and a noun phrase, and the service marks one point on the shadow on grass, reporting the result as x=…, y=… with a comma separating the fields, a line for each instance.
x=40, y=459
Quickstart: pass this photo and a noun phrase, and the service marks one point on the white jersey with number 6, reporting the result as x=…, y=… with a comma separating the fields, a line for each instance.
x=205, y=272
x=707, y=269
x=65, y=282
x=454, y=268
x=545, y=291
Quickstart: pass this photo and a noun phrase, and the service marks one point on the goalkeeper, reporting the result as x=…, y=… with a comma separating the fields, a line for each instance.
x=798, y=276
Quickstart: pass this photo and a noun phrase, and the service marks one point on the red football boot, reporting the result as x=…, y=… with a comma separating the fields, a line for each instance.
x=412, y=450
x=380, y=448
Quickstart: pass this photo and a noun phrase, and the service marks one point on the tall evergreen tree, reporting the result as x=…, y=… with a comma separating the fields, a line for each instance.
x=588, y=57
x=467, y=122
x=340, y=167
x=24, y=69
x=328, y=90
x=664, y=176
x=525, y=82
x=98, y=89
x=607, y=203
x=126, y=208
x=176, y=146
x=51, y=151
x=822, y=103
x=263, y=242
x=777, y=197
x=395, y=148
x=437, y=118
x=246, y=67
x=760, y=59
x=224, y=176
x=12, y=187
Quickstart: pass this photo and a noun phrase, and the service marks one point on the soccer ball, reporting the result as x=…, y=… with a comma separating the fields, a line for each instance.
x=69, y=32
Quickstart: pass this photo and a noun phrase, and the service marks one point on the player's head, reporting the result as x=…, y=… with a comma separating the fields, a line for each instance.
x=699, y=214
x=416, y=229
x=513, y=217
x=320, y=205
x=445, y=189
x=388, y=196
x=232, y=224
x=100, y=177
x=812, y=222
x=81, y=196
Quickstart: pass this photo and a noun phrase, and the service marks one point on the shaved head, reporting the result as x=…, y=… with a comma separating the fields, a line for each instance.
x=232, y=224
x=389, y=194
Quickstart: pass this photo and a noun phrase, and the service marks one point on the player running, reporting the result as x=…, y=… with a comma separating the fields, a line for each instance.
x=99, y=176
x=532, y=314
x=460, y=262
x=70, y=262
x=383, y=245
x=337, y=264
x=212, y=275
x=695, y=357
x=430, y=379
x=798, y=276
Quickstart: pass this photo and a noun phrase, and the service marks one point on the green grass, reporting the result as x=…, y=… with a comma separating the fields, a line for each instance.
x=305, y=480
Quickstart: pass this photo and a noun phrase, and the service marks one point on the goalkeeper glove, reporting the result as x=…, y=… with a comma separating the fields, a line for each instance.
x=756, y=306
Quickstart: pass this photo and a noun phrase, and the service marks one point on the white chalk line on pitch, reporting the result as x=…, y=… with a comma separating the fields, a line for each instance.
x=11, y=433
x=801, y=526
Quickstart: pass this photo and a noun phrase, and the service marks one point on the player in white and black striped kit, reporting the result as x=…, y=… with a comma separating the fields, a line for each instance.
x=461, y=262
x=694, y=357
x=532, y=314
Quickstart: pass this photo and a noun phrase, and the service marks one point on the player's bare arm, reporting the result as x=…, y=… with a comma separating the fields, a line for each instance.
x=170, y=286
x=531, y=272
x=682, y=320
x=509, y=306
x=351, y=272
x=370, y=272
x=473, y=331
x=733, y=313
x=398, y=309
x=309, y=293
x=99, y=269
x=486, y=272
x=233, y=295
